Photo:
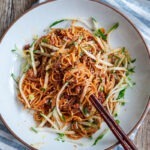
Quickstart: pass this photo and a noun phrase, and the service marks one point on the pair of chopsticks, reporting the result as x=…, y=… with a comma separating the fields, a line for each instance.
x=114, y=127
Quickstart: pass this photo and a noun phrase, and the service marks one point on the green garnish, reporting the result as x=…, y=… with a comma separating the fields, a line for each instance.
x=34, y=130
x=131, y=70
x=101, y=80
x=57, y=22
x=85, y=110
x=123, y=50
x=32, y=44
x=81, y=53
x=117, y=121
x=43, y=89
x=115, y=26
x=25, y=67
x=57, y=139
x=94, y=60
x=99, y=33
x=130, y=82
x=134, y=60
x=14, y=78
x=115, y=115
x=31, y=97
x=134, y=83
x=117, y=62
x=100, y=136
x=95, y=23
x=35, y=51
x=93, y=19
x=80, y=37
x=60, y=137
x=13, y=50
x=63, y=118
x=123, y=103
x=101, y=88
x=121, y=94
x=44, y=40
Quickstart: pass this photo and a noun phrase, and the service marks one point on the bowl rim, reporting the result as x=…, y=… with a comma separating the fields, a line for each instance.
x=124, y=16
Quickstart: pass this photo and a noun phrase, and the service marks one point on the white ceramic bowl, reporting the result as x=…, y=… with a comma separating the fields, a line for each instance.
x=35, y=21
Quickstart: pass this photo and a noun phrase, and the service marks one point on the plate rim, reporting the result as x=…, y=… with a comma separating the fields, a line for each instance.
x=145, y=111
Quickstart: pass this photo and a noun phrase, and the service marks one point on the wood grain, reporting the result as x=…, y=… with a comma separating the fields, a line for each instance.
x=142, y=139
x=12, y=9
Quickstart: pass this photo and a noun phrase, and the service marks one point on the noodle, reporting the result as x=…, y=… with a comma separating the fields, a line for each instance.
x=67, y=66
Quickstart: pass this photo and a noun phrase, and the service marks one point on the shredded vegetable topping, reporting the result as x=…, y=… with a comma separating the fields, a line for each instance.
x=66, y=66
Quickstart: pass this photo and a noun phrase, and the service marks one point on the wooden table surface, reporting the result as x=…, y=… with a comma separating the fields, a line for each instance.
x=12, y=9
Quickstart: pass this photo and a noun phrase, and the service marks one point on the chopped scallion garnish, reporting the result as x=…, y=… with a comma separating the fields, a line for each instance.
x=134, y=60
x=99, y=33
x=123, y=103
x=31, y=97
x=57, y=22
x=63, y=118
x=25, y=67
x=123, y=50
x=85, y=110
x=101, y=89
x=14, y=78
x=43, y=89
x=115, y=26
x=44, y=40
x=34, y=130
x=121, y=94
x=131, y=70
x=13, y=50
x=115, y=115
x=95, y=23
x=100, y=136
x=60, y=137
x=117, y=121
x=35, y=51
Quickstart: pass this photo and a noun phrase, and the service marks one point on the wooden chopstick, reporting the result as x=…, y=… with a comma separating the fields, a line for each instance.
x=114, y=127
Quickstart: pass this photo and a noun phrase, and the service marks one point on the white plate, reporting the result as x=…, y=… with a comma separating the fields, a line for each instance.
x=34, y=22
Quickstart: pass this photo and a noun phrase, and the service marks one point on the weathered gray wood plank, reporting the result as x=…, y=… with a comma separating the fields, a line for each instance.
x=142, y=139
x=10, y=10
